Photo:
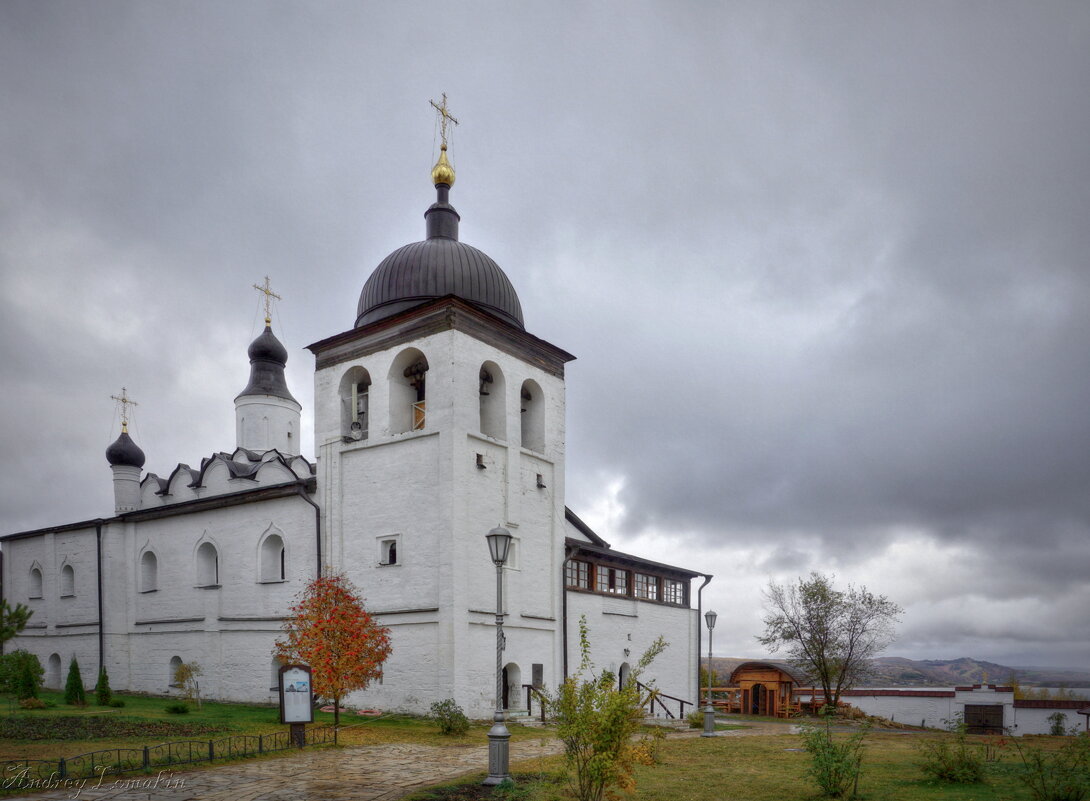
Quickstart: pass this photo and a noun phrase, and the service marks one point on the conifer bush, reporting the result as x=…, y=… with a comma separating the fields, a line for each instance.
x=103, y=694
x=74, y=692
x=21, y=674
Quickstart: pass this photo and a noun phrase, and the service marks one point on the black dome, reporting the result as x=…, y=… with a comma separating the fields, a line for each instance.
x=267, y=360
x=434, y=268
x=268, y=347
x=124, y=451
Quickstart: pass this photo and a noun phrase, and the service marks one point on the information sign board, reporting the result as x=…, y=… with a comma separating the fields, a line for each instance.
x=295, y=694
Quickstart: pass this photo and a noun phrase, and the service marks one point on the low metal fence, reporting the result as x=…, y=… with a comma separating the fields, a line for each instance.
x=112, y=761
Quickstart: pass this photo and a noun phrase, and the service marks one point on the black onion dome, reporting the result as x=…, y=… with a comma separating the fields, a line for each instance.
x=434, y=268
x=267, y=361
x=268, y=347
x=123, y=451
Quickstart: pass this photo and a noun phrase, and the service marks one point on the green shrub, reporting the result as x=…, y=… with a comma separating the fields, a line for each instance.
x=1062, y=775
x=103, y=693
x=957, y=763
x=835, y=766
x=177, y=708
x=21, y=674
x=597, y=722
x=696, y=719
x=450, y=717
x=74, y=693
x=1057, y=724
x=117, y=702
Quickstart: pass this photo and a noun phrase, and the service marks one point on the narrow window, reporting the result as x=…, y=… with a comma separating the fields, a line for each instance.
x=35, y=590
x=578, y=574
x=208, y=565
x=492, y=394
x=272, y=558
x=532, y=413
x=355, y=404
x=68, y=581
x=149, y=572
x=408, y=391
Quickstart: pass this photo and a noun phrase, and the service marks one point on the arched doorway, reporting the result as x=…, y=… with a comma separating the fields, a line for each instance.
x=512, y=686
x=622, y=675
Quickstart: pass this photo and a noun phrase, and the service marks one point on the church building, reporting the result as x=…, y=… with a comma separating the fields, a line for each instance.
x=437, y=416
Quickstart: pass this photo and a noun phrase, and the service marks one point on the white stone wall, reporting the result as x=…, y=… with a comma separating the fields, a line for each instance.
x=620, y=624
x=1035, y=721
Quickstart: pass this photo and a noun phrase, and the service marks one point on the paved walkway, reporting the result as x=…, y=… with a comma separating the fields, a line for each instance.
x=360, y=773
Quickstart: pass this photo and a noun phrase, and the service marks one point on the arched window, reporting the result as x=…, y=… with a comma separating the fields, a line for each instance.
x=272, y=558
x=35, y=588
x=408, y=391
x=493, y=401
x=149, y=572
x=208, y=565
x=355, y=404
x=68, y=581
x=53, y=672
x=175, y=663
x=533, y=416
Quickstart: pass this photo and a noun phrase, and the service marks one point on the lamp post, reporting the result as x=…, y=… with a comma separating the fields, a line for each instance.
x=499, y=543
x=709, y=713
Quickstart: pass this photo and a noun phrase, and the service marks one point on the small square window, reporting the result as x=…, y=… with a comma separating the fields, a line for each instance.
x=389, y=550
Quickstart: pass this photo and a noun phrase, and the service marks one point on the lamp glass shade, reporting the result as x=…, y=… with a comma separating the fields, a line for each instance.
x=499, y=543
x=710, y=617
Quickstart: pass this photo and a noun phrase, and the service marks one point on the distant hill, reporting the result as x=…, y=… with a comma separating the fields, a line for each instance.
x=897, y=671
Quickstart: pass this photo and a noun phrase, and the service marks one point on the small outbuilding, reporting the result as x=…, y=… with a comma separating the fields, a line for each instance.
x=766, y=688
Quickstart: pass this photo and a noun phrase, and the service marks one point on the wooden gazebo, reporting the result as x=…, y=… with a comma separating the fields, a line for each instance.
x=766, y=688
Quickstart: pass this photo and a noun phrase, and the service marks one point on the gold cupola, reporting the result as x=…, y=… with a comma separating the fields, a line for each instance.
x=442, y=172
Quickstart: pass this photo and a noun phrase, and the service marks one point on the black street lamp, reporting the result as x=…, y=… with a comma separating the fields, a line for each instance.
x=499, y=544
x=709, y=712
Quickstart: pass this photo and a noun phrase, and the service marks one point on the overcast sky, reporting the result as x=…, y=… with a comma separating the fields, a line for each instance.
x=824, y=266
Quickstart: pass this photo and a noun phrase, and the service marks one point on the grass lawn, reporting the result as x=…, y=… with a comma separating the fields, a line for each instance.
x=764, y=768
x=66, y=731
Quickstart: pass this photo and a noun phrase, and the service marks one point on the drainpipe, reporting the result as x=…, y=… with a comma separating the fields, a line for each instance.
x=301, y=486
x=700, y=631
x=98, y=573
x=564, y=605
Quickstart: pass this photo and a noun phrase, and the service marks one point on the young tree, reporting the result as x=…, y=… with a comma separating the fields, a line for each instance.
x=596, y=721
x=329, y=630
x=185, y=676
x=74, y=693
x=12, y=621
x=831, y=634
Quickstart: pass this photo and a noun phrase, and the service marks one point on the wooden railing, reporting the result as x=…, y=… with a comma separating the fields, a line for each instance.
x=655, y=696
x=531, y=693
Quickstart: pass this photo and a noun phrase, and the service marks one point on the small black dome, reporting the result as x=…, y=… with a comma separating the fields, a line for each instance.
x=434, y=268
x=268, y=347
x=267, y=361
x=124, y=451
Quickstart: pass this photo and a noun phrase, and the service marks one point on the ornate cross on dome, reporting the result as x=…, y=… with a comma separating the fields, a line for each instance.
x=124, y=401
x=266, y=290
x=444, y=118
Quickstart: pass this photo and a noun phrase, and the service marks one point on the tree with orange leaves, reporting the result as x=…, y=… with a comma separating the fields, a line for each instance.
x=329, y=630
